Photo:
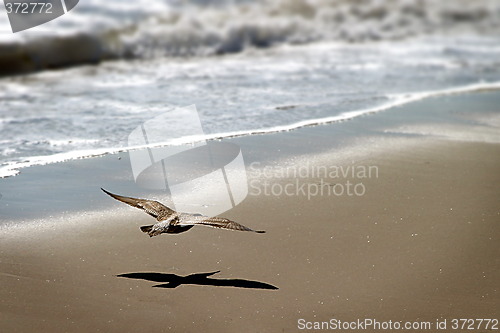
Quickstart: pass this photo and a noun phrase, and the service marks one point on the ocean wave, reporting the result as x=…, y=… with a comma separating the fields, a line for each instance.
x=13, y=167
x=202, y=28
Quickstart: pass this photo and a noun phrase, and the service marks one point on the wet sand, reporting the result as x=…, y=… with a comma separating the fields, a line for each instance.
x=421, y=244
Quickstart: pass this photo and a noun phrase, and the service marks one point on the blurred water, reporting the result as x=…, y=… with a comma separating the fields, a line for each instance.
x=167, y=50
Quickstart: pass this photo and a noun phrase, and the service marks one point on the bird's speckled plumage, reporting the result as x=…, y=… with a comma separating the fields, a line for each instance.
x=172, y=222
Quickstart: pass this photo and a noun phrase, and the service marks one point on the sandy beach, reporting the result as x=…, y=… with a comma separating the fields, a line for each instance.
x=421, y=244
x=362, y=136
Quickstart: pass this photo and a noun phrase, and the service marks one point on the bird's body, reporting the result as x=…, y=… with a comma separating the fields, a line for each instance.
x=172, y=222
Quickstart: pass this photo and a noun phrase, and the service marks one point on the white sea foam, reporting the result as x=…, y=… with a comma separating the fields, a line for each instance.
x=113, y=29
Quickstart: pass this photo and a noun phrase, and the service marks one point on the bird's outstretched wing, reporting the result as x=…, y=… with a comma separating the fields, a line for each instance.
x=153, y=208
x=214, y=222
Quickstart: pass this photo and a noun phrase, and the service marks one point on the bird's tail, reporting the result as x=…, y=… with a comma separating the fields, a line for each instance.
x=146, y=228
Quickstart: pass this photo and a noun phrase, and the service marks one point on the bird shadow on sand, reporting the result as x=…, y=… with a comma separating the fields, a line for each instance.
x=201, y=279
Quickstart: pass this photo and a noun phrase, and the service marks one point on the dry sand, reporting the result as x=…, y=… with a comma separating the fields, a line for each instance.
x=422, y=244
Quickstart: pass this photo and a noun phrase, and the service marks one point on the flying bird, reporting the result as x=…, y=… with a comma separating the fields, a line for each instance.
x=172, y=222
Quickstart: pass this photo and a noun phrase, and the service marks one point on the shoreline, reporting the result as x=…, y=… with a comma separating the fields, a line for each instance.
x=405, y=99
